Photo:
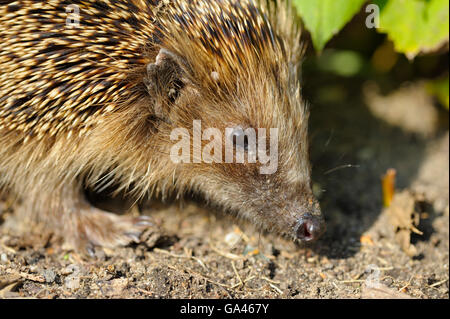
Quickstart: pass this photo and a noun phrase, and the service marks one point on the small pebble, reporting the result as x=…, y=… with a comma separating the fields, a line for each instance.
x=3, y=258
x=328, y=266
x=72, y=282
x=388, y=281
x=69, y=270
x=311, y=259
x=49, y=275
x=232, y=239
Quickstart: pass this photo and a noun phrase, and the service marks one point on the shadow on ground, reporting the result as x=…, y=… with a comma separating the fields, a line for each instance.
x=351, y=148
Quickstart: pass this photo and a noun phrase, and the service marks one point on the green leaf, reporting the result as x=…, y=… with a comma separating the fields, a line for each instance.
x=415, y=26
x=325, y=18
x=440, y=89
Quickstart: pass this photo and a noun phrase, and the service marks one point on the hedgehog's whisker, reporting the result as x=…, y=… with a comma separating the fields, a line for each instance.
x=340, y=167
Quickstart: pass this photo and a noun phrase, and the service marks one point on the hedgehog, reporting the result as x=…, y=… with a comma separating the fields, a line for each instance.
x=91, y=91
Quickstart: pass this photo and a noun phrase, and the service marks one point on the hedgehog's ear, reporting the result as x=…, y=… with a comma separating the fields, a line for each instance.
x=164, y=81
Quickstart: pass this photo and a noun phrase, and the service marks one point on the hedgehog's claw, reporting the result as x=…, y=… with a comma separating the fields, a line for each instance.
x=90, y=249
x=144, y=221
x=95, y=227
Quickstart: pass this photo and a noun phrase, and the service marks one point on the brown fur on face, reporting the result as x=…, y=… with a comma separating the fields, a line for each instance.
x=97, y=106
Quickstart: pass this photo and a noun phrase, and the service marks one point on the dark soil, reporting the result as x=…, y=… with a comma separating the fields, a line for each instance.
x=357, y=133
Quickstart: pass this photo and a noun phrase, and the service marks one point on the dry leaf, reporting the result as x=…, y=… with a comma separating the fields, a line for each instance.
x=7, y=280
x=388, y=186
x=382, y=292
x=405, y=219
x=366, y=240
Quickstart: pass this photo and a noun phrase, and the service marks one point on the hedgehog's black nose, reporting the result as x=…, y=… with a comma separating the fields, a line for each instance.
x=309, y=227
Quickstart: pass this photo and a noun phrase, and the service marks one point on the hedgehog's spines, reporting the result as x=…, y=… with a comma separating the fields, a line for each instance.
x=70, y=77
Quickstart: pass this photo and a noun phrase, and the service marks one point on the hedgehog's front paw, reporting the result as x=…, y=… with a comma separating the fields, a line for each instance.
x=93, y=227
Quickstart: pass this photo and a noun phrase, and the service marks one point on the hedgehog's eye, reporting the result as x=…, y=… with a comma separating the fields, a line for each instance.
x=242, y=139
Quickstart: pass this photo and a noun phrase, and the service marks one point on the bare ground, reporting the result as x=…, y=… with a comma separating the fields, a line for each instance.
x=201, y=253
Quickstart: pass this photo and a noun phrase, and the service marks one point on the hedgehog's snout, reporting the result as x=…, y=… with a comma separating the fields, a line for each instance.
x=309, y=227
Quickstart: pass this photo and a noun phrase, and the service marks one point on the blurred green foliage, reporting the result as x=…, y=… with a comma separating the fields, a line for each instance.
x=343, y=62
x=413, y=25
x=439, y=88
x=379, y=38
